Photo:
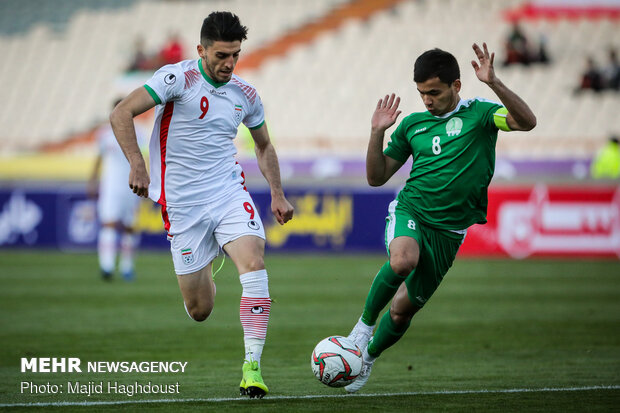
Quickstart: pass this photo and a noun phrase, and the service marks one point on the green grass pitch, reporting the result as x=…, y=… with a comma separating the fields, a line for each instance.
x=499, y=335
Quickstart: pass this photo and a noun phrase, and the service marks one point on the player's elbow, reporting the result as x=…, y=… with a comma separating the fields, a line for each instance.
x=119, y=115
x=533, y=123
x=115, y=116
x=528, y=123
x=374, y=180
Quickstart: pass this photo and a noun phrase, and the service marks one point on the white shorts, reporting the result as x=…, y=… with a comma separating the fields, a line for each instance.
x=117, y=203
x=197, y=232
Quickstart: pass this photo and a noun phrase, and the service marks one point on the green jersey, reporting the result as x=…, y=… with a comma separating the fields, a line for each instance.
x=453, y=162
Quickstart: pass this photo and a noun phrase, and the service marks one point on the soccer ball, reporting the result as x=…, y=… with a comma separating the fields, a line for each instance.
x=336, y=361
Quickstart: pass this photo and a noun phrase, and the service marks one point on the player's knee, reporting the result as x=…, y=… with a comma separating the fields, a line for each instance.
x=402, y=264
x=402, y=309
x=401, y=318
x=256, y=263
x=200, y=312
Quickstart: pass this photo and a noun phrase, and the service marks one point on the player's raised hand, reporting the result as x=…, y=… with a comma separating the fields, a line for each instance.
x=386, y=112
x=282, y=209
x=484, y=70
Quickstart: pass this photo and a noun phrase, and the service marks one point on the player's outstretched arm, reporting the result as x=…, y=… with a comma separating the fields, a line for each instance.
x=121, y=119
x=520, y=116
x=270, y=167
x=380, y=168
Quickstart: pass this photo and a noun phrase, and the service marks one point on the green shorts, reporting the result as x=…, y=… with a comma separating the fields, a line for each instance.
x=438, y=249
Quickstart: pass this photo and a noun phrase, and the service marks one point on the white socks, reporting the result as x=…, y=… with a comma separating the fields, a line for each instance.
x=254, y=312
x=106, y=249
x=128, y=245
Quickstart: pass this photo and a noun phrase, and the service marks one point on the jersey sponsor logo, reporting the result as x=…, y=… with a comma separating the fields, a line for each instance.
x=454, y=126
x=253, y=225
x=257, y=310
x=170, y=78
x=188, y=256
x=419, y=130
x=217, y=92
x=238, y=112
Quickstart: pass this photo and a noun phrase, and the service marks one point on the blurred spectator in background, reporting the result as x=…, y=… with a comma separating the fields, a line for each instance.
x=117, y=205
x=543, y=54
x=611, y=72
x=606, y=164
x=516, y=46
x=519, y=49
x=591, y=79
x=172, y=52
x=140, y=60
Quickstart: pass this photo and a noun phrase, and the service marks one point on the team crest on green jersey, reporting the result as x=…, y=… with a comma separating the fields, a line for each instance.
x=238, y=112
x=454, y=126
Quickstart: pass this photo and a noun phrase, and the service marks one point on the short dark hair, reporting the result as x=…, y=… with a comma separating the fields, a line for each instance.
x=222, y=26
x=436, y=63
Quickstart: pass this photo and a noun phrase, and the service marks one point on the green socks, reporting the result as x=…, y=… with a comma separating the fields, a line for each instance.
x=383, y=288
x=381, y=292
x=386, y=335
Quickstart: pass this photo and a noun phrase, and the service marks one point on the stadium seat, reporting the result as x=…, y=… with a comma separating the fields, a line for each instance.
x=318, y=96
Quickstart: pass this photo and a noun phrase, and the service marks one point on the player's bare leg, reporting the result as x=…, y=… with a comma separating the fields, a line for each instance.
x=198, y=290
x=247, y=252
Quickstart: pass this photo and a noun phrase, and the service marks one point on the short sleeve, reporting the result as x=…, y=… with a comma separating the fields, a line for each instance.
x=493, y=115
x=166, y=84
x=399, y=148
x=255, y=116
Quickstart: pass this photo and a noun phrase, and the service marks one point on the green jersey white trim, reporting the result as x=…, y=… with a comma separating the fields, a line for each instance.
x=453, y=163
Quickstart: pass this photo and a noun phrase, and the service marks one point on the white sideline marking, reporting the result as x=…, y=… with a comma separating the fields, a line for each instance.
x=310, y=396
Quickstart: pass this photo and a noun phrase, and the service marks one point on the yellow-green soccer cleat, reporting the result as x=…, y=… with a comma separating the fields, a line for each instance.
x=243, y=388
x=252, y=383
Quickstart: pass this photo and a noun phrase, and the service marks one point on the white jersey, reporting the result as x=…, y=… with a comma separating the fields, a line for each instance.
x=115, y=168
x=117, y=202
x=196, y=119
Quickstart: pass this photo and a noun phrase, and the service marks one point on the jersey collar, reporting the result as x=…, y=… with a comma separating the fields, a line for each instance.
x=207, y=78
x=456, y=109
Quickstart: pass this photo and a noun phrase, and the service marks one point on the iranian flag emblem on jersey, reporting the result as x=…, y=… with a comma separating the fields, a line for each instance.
x=188, y=257
x=238, y=111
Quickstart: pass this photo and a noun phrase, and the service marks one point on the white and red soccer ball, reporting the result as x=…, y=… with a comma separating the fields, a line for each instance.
x=336, y=361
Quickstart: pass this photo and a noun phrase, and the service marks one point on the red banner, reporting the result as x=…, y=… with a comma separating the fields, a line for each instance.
x=544, y=221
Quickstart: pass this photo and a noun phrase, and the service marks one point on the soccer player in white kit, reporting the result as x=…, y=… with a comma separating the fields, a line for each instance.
x=117, y=205
x=194, y=176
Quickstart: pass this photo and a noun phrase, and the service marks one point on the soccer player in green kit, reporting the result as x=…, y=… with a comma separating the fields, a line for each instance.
x=453, y=150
